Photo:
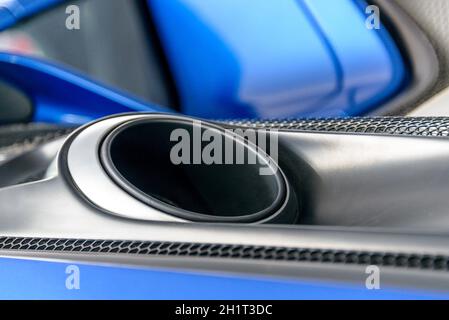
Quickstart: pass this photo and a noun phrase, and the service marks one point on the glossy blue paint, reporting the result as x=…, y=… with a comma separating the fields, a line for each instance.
x=276, y=58
x=64, y=96
x=266, y=59
x=372, y=68
x=34, y=279
x=59, y=95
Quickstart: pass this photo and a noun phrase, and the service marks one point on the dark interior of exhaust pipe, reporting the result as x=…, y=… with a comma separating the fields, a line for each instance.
x=137, y=156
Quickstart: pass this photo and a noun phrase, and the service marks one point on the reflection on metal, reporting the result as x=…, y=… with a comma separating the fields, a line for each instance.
x=29, y=165
x=437, y=106
x=369, y=180
x=89, y=176
x=340, y=179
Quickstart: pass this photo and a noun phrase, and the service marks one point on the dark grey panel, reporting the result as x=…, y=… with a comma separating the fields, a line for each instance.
x=15, y=106
x=417, y=52
x=432, y=16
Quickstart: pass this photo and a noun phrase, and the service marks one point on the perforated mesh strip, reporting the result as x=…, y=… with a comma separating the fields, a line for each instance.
x=150, y=248
x=438, y=127
x=31, y=133
x=18, y=138
x=413, y=126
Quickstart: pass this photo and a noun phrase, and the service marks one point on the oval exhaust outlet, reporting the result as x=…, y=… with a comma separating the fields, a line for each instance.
x=197, y=171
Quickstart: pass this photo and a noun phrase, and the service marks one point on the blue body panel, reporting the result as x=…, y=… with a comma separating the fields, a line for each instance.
x=65, y=97
x=276, y=58
x=269, y=58
x=33, y=279
x=371, y=66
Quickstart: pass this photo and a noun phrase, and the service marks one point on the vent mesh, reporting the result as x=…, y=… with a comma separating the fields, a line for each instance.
x=436, y=127
x=226, y=251
x=18, y=138
x=412, y=126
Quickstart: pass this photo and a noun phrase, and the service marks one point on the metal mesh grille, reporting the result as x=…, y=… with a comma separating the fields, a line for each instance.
x=414, y=126
x=29, y=133
x=15, y=139
x=226, y=251
x=437, y=127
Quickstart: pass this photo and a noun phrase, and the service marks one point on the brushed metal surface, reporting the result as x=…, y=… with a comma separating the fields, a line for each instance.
x=362, y=192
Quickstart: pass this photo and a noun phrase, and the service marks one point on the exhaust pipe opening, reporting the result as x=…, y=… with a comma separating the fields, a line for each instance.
x=138, y=156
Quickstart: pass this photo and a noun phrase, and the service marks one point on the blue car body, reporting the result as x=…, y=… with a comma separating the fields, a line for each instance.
x=277, y=59
x=269, y=59
x=41, y=279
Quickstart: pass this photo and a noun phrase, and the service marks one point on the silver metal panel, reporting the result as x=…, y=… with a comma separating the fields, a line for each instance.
x=370, y=180
x=407, y=191
x=89, y=176
x=26, y=213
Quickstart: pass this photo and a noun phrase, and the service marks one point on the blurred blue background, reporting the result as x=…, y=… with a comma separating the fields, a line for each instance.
x=211, y=59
